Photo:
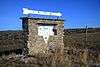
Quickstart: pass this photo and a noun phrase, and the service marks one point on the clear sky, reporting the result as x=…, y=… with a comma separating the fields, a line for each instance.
x=77, y=13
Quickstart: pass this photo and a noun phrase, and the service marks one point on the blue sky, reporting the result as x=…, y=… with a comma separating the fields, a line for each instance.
x=77, y=13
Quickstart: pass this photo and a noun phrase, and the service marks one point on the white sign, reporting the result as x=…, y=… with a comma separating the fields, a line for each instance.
x=28, y=11
x=45, y=31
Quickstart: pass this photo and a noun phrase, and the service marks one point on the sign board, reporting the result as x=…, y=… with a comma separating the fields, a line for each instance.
x=28, y=11
x=45, y=31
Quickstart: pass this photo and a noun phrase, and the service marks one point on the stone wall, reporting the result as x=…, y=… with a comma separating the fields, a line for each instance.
x=35, y=42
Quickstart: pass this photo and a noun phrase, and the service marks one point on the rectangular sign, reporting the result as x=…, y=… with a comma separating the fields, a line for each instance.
x=28, y=11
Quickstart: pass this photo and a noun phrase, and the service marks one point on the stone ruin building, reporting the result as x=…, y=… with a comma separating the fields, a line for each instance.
x=43, y=35
x=81, y=47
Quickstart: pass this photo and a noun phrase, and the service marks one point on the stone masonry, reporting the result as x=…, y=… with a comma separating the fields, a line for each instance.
x=36, y=43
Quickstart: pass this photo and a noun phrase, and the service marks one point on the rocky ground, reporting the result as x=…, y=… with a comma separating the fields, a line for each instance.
x=21, y=61
x=29, y=61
